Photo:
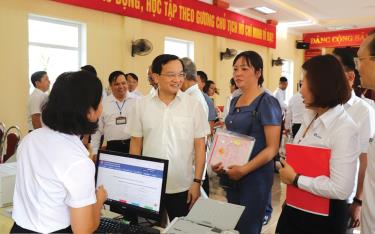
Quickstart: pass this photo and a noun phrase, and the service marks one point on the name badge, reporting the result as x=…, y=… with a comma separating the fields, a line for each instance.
x=120, y=120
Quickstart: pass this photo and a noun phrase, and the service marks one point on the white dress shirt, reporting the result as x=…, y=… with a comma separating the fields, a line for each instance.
x=36, y=100
x=368, y=207
x=136, y=93
x=196, y=93
x=168, y=132
x=112, y=109
x=295, y=110
x=280, y=95
x=337, y=131
x=54, y=173
x=363, y=115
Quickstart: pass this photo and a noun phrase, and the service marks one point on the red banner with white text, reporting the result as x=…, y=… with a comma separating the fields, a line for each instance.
x=337, y=38
x=191, y=15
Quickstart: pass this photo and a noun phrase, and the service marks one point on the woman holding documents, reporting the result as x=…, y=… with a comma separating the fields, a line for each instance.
x=254, y=113
x=325, y=125
x=55, y=188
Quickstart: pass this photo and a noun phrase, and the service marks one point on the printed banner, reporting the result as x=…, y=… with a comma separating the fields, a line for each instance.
x=192, y=15
x=336, y=38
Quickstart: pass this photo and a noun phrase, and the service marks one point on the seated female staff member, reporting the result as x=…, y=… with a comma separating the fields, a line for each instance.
x=325, y=124
x=112, y=122
x=55, y=190
x=257, y=114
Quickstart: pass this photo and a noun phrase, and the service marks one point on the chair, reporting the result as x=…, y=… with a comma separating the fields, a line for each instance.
x=11, y=139
x=2, y=133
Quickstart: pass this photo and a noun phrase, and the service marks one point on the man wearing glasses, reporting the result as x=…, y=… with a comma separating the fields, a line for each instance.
x=366, y=67
x=170, y=124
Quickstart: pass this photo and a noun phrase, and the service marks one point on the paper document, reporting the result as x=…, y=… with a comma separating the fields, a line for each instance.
x=230, y=148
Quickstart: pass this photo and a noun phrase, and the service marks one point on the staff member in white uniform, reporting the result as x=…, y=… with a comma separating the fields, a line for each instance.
x=294, y=113
x=112, y=122
x=37, y=99
x=280, y=93
x=326, y=124
x=132, y=80
x=366, y=67
x=363, y=115
x=172, y=125
x=55, y=189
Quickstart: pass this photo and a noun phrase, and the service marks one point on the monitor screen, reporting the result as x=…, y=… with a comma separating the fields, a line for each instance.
x=135, y=182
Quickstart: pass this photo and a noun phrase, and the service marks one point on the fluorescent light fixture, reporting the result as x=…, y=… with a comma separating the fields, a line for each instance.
x=293, y=24
x=264, y=10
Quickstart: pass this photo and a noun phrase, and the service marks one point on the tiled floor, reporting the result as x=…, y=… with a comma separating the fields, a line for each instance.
x=278, y=197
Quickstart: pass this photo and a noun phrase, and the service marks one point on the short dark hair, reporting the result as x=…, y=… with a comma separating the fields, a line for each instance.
x=203, y=76
x=161, y=60
x=283, y=79
x=71, y=98
x=253, y=59
x=37, y=76
x=134, y=76
x=233, y=83
x=207, y=86
x=327, y=81
x=89, y=68
x=190, y=68
x=346, y=58
x=113, y=76
x=371, y=45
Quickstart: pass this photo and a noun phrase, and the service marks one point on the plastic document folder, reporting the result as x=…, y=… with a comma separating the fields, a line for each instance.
x=230, y=148
x=208, y=216
x=313, y=162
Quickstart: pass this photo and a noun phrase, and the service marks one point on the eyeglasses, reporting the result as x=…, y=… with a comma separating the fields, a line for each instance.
x=357, y=60
x=173, y=75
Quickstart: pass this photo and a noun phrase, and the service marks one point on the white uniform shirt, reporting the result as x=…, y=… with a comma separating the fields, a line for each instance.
x=196, y=93
x=295, y=110
x=363, y=115
x=280, y=95
x=136, y=93
x=368, y=207
x=54, y=173
x=36, y=100
x=112, y=109
x=337, y=131
x=168, y=133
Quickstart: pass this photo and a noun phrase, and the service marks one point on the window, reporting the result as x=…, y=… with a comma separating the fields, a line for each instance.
x=55, y=46
x=287, y=71
x=179, y=47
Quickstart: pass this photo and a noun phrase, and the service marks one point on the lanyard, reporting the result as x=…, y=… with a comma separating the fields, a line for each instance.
x=308, y=127
x=122, y=106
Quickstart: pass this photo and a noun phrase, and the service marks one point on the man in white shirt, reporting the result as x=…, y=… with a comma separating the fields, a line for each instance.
x=363, y=115
x=151, y=81
x=113, y=120
x=190, y=87
x=37, y=99
x=280, y=93
x=294, y=113
x=171, y=125
x=132, y=80
x=366, y=67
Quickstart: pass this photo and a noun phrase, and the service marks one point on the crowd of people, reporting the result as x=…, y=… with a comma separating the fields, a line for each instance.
x=55, y=190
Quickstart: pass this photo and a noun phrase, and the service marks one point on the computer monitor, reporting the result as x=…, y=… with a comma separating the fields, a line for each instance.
x=135, y=184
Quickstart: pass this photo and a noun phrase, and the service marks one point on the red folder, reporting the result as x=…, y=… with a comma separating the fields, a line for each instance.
x=313, y=162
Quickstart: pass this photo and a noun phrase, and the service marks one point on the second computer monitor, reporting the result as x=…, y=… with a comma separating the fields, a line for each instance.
x=135, y=184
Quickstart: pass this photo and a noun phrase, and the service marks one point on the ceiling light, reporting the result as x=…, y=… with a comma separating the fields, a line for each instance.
x=264, y=10
x=340, y=27
x=293, y=24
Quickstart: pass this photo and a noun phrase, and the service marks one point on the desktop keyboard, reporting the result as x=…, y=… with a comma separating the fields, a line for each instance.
x=108, y=225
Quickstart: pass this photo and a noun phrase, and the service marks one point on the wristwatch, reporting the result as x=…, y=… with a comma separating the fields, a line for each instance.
x=295, y=181
x=358, y=201
x=199, y=181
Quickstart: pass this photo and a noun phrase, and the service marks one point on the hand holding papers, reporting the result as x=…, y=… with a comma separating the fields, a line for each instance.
x=230, y=148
